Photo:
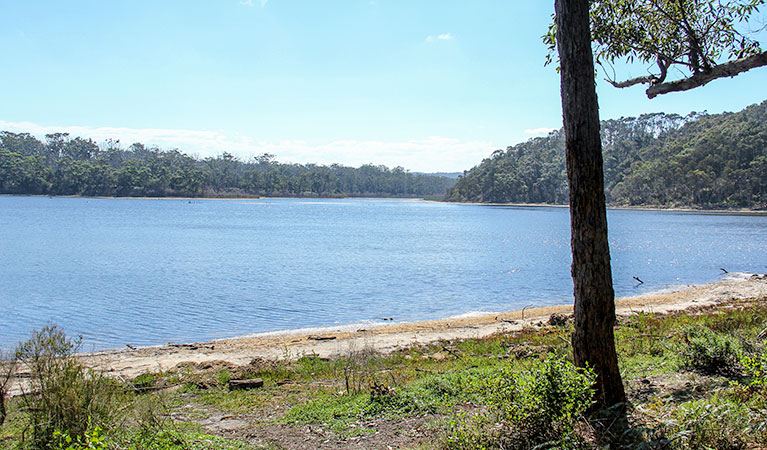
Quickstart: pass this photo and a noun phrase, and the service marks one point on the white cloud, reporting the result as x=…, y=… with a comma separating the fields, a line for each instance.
x=250, y=3
x=430, y=154
x=543, y=131
x=440, y=37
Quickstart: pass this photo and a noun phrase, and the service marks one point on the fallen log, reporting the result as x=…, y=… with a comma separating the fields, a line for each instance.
x=253, y=383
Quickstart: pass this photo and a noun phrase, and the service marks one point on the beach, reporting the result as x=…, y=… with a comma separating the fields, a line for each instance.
x=332, y=342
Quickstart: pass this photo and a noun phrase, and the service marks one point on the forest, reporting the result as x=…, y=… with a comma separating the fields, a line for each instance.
x=62, y=165
x=663, y=160
x=701, y=160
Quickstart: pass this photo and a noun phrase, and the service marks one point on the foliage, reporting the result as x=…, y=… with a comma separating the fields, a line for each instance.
x=475, y=395
x=90, y=440
x=716, y=424
x=693, y=36
x=536, y=408
x=66, y=166
x=64, y=396
x=710, y=161
x=711, y=353
x=755, y=367
x=7, y=372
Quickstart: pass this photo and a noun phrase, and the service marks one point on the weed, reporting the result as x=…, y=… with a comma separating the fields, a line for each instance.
x=64, y=395
x=536, y=407
x=7, y=372
x=716, y=424
x=711, y=353
x=147, y=381
x=478, y=432
x=755, y=367
x=90, y=440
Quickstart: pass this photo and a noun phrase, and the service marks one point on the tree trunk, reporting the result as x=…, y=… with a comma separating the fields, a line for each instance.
x=593, y=339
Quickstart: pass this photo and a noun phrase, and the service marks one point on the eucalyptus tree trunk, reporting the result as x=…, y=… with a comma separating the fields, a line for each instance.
x=593, y=340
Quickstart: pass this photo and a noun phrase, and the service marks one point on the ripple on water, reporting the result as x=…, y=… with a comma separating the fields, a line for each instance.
x=148, y=271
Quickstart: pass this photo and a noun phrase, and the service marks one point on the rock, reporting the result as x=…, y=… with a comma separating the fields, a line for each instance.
x=230, y=424
x=439, y=356
x=252, y=383
x=558, y=319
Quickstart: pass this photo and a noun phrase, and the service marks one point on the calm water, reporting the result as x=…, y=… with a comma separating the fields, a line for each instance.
x=123, y=271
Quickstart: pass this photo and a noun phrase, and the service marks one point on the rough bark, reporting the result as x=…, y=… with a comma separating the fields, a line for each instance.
x=593, y=340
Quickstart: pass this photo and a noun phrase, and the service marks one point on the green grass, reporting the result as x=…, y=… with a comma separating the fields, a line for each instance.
x=454, y=384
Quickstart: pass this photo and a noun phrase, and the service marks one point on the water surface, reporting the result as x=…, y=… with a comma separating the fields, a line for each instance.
x=146, y=271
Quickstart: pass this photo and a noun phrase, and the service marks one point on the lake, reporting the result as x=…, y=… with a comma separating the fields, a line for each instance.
x=151, y=271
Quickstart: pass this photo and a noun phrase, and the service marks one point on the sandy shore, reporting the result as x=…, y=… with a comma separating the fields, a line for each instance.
x=329, y=342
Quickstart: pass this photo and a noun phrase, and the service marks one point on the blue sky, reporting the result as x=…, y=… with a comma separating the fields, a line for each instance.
x=427, y=85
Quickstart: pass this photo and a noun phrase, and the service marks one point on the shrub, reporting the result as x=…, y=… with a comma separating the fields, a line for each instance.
x=754, y=391
x=65, y=396
x=716, y=424
x=711, y=353
x=90, y=440
x=539, y=407
x=755, y=367
x=7, y=372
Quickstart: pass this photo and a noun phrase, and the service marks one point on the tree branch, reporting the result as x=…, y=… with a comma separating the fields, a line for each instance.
x=648, y=79
x=729, y=69
x=663, y=65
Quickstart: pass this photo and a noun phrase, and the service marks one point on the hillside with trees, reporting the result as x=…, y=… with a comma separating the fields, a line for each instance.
x=61, y=165
x=663, y=160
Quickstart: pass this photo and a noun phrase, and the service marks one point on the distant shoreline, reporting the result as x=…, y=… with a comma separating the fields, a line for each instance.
x=618, y=207
x=745, y=211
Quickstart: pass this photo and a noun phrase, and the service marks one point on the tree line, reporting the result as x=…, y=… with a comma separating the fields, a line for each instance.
x=62, y=165
x=665, y=160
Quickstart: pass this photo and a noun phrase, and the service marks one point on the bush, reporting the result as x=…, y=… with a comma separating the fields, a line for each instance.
x=7, y=372
x=711, y=353
x=90, y=440
x=753, y=391
x=718, y=425
x=755, y=367
x=65, y=397
x=539, y=407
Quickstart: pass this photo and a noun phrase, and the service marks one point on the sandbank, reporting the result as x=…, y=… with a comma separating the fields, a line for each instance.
x=385, y=338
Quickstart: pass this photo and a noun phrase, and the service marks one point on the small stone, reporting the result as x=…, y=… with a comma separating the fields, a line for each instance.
x=558, y=319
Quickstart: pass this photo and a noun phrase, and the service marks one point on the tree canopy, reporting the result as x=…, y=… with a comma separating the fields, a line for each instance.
x=698, y=160
x=703, y=39
x=62, y=165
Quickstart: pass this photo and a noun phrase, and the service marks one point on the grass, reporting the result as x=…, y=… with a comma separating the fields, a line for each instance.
x=695, y=380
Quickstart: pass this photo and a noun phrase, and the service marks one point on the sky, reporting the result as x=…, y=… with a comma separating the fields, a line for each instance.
x=429, y=85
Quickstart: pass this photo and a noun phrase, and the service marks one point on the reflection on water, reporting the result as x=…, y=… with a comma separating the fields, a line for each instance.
x=151, y=271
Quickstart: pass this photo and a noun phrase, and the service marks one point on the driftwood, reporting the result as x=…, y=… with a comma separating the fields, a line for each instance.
x=195, y=346
x=321, y=338
x=762, y=334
